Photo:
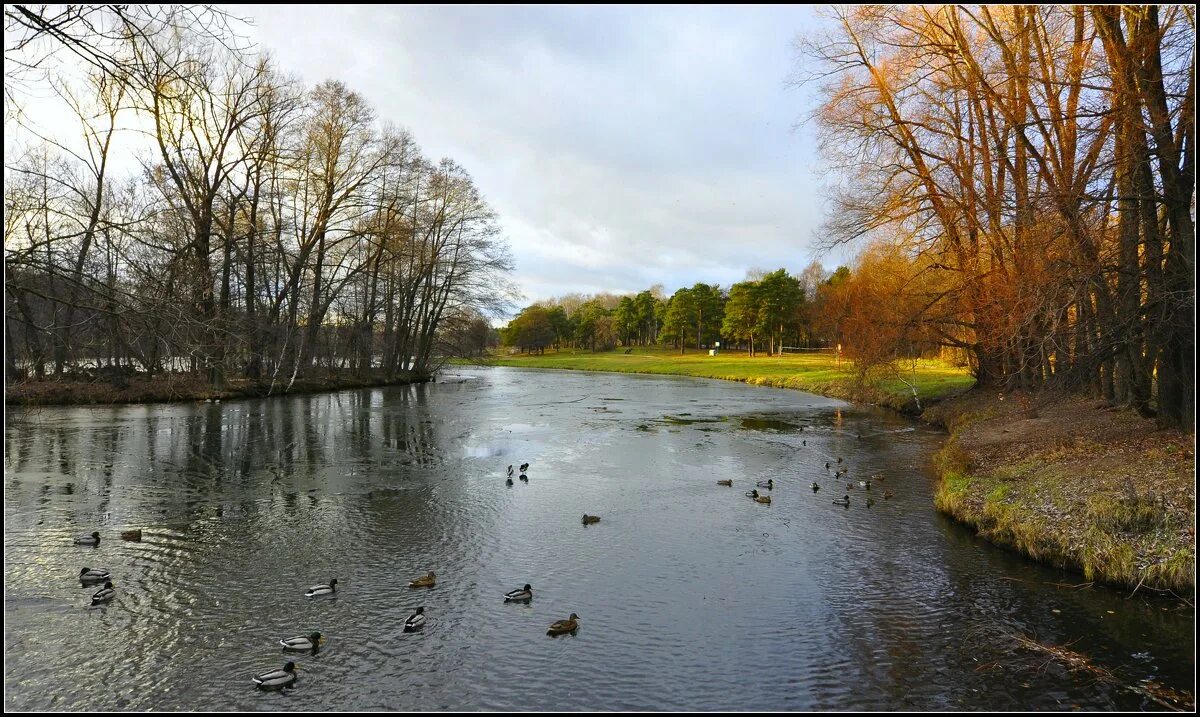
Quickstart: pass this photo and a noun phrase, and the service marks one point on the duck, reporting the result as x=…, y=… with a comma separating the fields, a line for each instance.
x=524, y=478
x=302, y=643
x=426, y=582
x=589, y=519
x=887, y=494
x=562, y=627
x=849, y=486
x=104, y=594
x=864, y=484
x=726, y=482
x=525, y=594
x=134, y=535
x=524, y=467
x=839, y=459
x=815, y=487
x=844, y=501
x=415, y=621
x=826, y=465
x=93, y=539
x=764, y=499
x=508, y=482
x=277, y=678
x=327, y=589
x=870, y=502
x=510, y=471
x=93, y=575
x=804, y=442
x=769, y=484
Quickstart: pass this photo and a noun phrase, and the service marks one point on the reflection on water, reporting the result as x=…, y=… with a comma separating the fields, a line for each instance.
x=689, y=595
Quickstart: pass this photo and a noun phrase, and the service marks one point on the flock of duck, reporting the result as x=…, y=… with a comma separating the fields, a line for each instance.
x=769, y=484
x=311, y=643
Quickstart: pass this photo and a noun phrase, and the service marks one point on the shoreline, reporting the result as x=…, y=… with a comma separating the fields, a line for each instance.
x=185, y=389
x=1060, y=479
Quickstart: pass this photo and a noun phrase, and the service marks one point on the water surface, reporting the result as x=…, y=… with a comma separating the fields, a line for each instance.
x=690, y=596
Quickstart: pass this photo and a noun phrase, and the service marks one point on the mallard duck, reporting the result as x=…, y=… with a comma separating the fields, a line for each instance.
x=887, y=494
x=725, y=482
x=277, y=678
x=104, y=594
x=769, y=484
x=752, y=493
x=524, y=478
x=317, y=590
x=524, y=467
x=426, y=582
x=589, y=519
x=562, y=627
x=525, y=594
x=844, y=501
x=93, y=539
x=804, y=443
x=134, y=535
x=510, y=471
x=415, y=621
x=864, y=484
x=815, y=487
x=508, y=482
x=302, y=643
x=826, y=465
x=764, y=499
x=93, y=575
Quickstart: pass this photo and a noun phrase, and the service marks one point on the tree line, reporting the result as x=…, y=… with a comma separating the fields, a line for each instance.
x=1025, y=177
x=271, y=228
x=766, y=312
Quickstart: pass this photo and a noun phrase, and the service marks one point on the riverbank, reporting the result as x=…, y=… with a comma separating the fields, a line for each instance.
x=1061, y=479
x=1071, y=482
x=820, y=373
x=185, y=387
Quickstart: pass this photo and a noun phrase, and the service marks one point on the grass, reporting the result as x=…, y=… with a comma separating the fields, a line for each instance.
x=1118, y=505
x=813, y=372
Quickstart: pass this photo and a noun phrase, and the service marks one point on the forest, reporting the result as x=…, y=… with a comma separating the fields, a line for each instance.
x=265, y=228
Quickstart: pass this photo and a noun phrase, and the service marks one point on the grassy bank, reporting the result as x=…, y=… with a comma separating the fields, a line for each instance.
x=1070, y=482
x=184, y=387
x=813, y=372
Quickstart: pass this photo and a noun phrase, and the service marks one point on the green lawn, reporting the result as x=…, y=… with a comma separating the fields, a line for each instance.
x=813, y=372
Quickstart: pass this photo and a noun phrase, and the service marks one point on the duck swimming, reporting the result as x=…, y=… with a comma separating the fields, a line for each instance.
x=725, y=482
x=415, y=621
x=826, y=465
x=510, y=471
x=93, y=539
x=844, y=501
x=508, y=482
x=134, y=535
x=524, y=478
x=426, y=582
x=589, y=519
x=870, y=502
x=815, y=487
x=769, y=484
x=764, y=499
x=327, y=589
x=302, y=643
x=562, y=627
x=104, y=594
x=277, y=678
x=524, y=467
x=525, y=594
x=865, y=484
x=887, y=494
x=93, y=575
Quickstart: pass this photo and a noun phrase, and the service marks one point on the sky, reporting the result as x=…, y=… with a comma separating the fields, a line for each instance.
x=621, y=146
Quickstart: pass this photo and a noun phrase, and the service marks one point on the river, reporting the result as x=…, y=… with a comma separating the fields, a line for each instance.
x=690, y=596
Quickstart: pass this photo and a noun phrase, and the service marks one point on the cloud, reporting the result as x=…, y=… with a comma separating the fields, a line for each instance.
x=622, y=147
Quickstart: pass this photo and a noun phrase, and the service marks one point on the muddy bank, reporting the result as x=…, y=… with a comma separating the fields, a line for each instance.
x=186, y=387
x=1073, y=483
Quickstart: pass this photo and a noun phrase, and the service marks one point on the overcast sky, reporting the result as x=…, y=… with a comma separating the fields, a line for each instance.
x=621, y=146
